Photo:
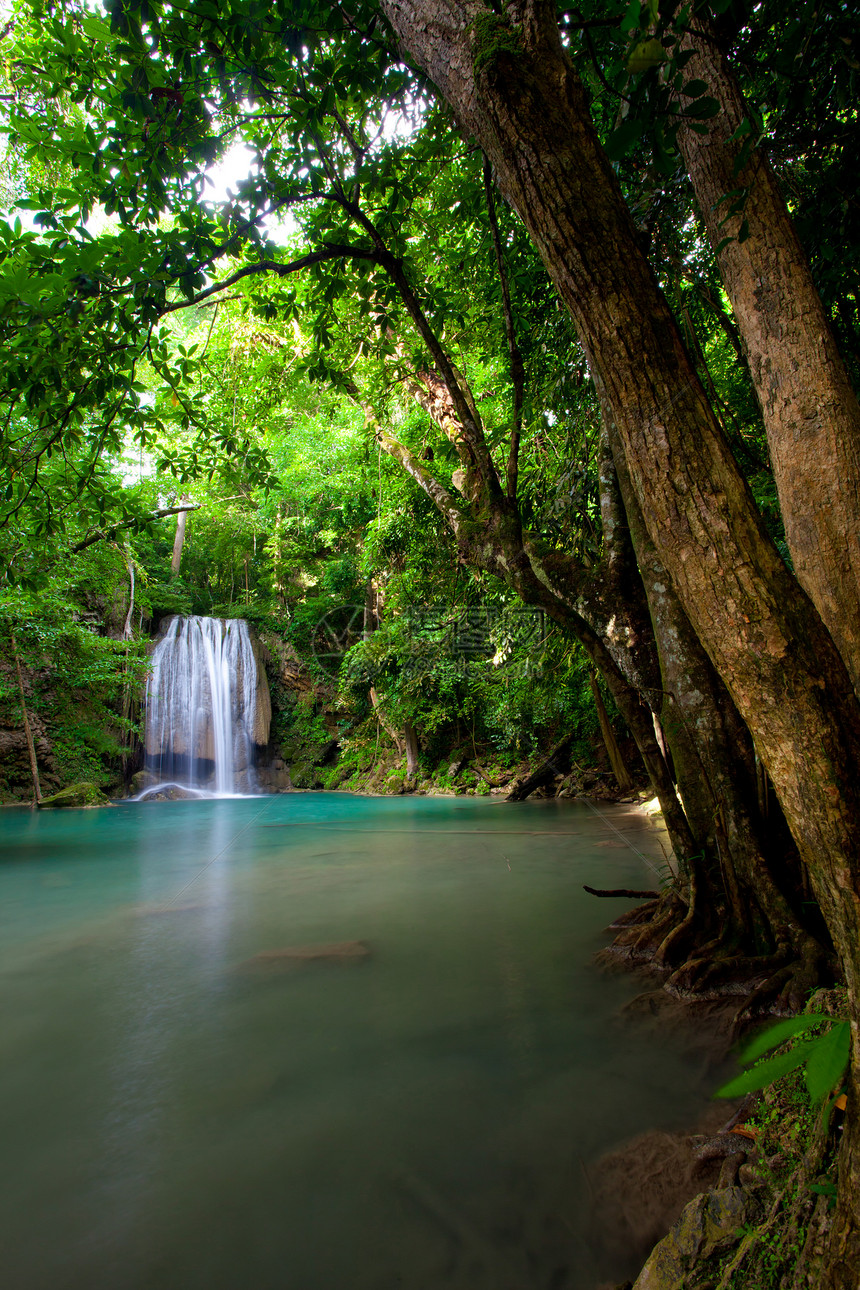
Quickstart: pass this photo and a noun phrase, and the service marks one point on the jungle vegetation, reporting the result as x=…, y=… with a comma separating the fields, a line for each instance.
x=517, y=305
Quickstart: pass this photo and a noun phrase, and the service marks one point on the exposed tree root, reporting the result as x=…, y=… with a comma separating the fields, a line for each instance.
x=785, y=990
x=676, y=939
x=671, y=936
x=708, y=975
x=634, y=917
x=640, y=940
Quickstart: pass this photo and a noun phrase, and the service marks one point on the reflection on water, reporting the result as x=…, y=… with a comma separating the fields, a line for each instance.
x=183, y=1105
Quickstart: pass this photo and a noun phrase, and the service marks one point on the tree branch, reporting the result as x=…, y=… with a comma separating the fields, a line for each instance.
x=332, y=251
x=439, y=496
x=104, y=534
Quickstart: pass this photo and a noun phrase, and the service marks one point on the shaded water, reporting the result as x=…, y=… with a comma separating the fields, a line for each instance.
x=173, y=1116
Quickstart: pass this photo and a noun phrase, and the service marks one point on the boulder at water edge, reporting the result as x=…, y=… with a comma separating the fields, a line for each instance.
x=710, y=1223
x=81, y=795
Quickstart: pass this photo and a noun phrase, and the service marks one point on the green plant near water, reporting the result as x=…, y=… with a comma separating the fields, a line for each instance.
x=823, y=1057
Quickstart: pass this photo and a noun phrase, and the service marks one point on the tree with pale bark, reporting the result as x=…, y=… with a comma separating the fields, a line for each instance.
x=692, y=612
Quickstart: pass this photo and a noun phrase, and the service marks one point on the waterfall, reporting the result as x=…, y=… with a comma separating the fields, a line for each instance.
x=207, y=706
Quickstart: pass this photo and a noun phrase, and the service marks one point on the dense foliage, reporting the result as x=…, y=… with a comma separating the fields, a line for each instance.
x=133, y=382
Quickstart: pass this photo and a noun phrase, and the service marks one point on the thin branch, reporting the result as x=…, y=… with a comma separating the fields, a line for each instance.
x=595, y=62
x=440, y=497
x=331, y=252
x=104, y=535
x=473, y=430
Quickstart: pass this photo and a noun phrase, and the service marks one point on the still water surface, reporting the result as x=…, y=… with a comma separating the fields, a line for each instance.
x=176, y=1116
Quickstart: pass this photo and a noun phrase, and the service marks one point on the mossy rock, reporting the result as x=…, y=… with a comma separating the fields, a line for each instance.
x=710, y=1223
x=80, y=795
x=304, y=774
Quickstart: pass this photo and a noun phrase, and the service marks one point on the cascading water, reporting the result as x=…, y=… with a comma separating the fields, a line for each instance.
x=207, y=707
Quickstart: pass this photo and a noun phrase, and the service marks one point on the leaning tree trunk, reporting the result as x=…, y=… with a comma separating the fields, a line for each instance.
x=28, y=733
x=496, y=546
x=810, y=410
x=510, y=82
x=410, y=736
x=610, y=743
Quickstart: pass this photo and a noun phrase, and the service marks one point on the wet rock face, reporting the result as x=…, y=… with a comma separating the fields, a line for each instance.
x=275, y=776
x=16, y=782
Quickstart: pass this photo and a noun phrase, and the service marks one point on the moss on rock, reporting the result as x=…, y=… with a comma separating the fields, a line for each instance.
x=79, y=795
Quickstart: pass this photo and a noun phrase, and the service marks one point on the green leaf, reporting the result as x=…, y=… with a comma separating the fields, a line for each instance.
x=777, y=1034
x=622, y=140
x=630, y=21
x=703, y=109
x=694, y=89
x=647, y=54
x=825, y=1067
x=743, y=129
x=768, y=1072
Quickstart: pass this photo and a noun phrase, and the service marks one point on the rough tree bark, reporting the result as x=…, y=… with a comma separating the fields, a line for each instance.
x=129, y=564
x=509, y=81
x=410, y=736
x=741, y=902
x=810, y=410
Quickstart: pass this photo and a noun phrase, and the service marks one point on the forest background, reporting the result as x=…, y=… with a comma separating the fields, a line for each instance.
x=523, y=308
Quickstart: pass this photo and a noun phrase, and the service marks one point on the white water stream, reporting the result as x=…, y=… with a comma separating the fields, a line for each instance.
x=202, y=707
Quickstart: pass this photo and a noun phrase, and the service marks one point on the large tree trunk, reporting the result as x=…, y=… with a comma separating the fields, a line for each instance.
x=716, y=769
x=810, y=410
x=509, y=81
x=410, y=736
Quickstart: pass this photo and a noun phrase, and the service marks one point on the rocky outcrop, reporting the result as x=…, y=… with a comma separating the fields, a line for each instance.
x=78, y=795
x=297, y=754
x=16, y=783
x=710, y=1224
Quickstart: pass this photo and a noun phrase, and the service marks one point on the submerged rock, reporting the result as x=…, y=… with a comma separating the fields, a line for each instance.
x=140, y=781
x=81, y=795
x=296, y=955
x=173, y=793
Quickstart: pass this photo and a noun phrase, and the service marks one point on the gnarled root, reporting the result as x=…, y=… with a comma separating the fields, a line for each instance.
x=784, y=992
x=641, y=939
x=632, y=917
x=706, y=976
